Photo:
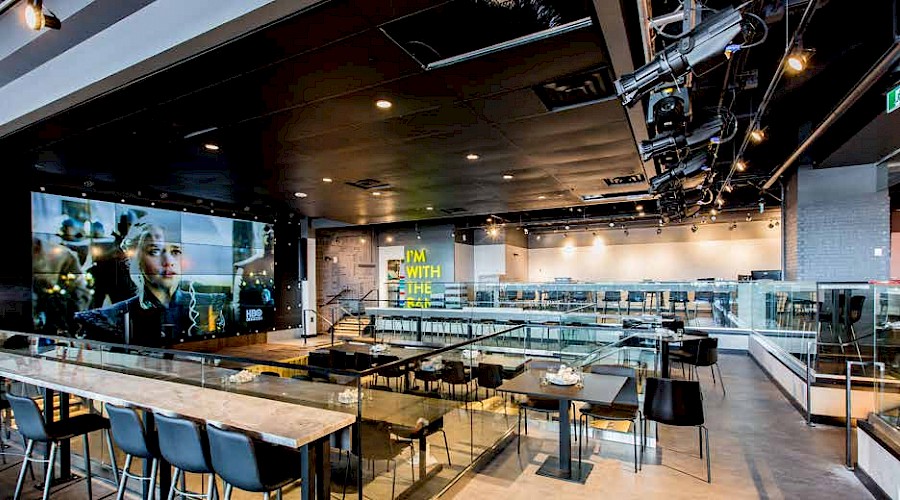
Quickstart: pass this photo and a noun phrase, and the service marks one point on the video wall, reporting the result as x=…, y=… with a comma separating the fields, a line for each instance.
x=146, y=276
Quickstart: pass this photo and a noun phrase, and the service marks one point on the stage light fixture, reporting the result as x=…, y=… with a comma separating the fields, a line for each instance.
x=706, y=40
x=37, y=19
x=797, y=61
x=757, y=136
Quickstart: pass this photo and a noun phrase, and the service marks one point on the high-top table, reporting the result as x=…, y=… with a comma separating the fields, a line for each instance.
x=398, y=409
x=598, y=389
x=276, y=422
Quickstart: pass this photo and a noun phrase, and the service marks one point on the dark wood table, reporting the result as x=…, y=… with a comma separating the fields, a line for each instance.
x=598, y=389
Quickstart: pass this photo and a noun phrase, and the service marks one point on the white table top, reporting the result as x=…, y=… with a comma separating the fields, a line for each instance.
x=273, y=421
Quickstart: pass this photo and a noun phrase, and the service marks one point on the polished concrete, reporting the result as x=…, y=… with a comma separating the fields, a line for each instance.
x=761, y=448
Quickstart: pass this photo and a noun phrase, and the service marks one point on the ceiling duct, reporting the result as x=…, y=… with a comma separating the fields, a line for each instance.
x=580, y=89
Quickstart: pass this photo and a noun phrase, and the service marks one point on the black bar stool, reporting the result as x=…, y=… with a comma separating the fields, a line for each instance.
x=32, y=426
x=251, y=465
x=183, y=443
x=132, y=436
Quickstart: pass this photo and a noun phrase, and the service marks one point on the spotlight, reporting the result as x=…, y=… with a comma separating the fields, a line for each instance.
x=538, y=237
x=762, y=205
x=797, y=61
x=749, y=218
x=566, y=228
x=771, y=225
x=36, y=19
x=733, y=226
x=525, y=230
x=672, y=141
x=728, y=187
x=712, y=218
x=757, y=136
x=740, y=166
x=694, y=228
x=612, y=224
x=659, y=230
x=707, y=39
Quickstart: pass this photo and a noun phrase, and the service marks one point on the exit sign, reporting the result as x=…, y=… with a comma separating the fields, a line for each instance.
x=893, y=99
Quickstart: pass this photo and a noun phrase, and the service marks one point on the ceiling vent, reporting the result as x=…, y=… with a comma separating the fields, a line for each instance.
x=587, y=87
x=369, y=184
x=624, y=180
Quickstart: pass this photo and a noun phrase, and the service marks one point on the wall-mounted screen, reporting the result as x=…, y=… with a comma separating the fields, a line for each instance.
x=146, y=276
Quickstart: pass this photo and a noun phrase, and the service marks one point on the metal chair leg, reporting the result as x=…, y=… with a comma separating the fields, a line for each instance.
x=25, y=463
x=446, y=446
x=87, y=466
x=112, y=456
x=124, y=477
x=721, y=379
x=173, y=483
x=48, y=477
x=228, y=489
x=154, y=466
x=518, y=432
x=708, y=466
x=634, y=433
x=394, y=477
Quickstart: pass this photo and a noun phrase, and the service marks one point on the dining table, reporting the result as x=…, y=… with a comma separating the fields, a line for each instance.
x=593, y=389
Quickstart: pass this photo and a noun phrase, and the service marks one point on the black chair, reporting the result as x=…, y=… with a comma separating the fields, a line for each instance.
x=541, y=405
x=612, y=296
x=454, y=373
x=688, y=350
x=489, y=376
x=679, y=403
x=707, y=354
x=679, y=297
x=433, y=427
x=624, y=407
x=395, y=372
x=319, y=364
x=428, y=376
x=377, y=443
x=249, y=464
x=131, y=435
x=33, y=428
x=363, y=361
x=183, y=443
x=636, y=297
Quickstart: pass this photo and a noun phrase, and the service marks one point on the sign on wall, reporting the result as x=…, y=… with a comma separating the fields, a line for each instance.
x=421, y=275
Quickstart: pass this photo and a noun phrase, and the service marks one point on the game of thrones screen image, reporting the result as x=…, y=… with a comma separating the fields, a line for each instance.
x=145, y=276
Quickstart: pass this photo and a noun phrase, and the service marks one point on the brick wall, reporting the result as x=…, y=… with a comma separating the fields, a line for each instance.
x=842, y=219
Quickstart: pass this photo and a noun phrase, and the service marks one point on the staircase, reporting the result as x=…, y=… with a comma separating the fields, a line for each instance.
x=351, y=327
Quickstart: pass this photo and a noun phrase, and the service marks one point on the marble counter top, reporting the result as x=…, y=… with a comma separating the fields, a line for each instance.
x=276, y=422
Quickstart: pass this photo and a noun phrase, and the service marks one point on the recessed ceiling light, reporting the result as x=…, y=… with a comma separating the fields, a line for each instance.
x=298, y=194
x=507, y=176
x=740, y=165
x=383, y=104
x=327, y=179
x=429, y=208
x=211, y=147
x=472, y=156
x=542, y=197
x=376, y=193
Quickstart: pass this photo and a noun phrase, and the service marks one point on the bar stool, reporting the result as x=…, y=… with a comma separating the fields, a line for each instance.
x=249, y=464
x=32, y=427
x=183, y=443
x=132, y=436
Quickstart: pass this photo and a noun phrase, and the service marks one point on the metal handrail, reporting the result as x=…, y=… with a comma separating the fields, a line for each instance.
x=849, y=436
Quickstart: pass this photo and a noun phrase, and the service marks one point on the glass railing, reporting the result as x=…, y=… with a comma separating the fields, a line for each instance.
x=885, y=345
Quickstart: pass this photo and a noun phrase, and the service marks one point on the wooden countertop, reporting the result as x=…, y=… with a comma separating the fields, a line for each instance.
x=277, y=422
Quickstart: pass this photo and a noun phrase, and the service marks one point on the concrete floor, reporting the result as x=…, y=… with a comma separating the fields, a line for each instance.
x=761, y=448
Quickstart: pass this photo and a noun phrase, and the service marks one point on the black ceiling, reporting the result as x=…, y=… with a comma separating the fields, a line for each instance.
x=294, y=103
